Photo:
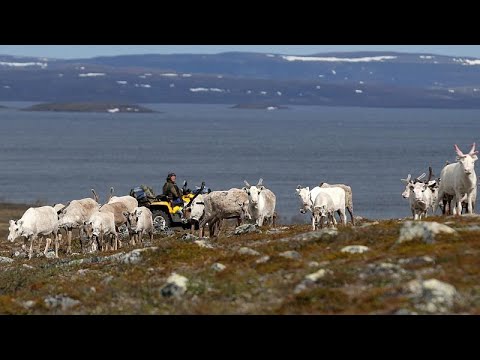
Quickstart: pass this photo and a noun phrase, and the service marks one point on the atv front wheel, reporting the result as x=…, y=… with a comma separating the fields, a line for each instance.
x=161, y=220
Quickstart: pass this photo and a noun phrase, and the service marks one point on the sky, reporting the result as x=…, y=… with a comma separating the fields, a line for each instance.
x=88, y=51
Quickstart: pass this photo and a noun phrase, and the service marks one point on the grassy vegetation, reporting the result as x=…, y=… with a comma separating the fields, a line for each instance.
x=356, y=284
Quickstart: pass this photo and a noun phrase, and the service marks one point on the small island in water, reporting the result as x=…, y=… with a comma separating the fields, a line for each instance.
x=260, y=106
x=90, y=107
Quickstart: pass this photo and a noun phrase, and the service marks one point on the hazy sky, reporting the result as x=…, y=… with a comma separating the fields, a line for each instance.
x=86, y=51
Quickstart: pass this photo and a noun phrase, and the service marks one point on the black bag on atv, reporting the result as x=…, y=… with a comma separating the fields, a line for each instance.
x=143, y=193
x=139, y=194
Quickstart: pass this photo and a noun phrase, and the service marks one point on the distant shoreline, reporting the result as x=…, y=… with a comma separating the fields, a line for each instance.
x=259, y=107
x=89, y=107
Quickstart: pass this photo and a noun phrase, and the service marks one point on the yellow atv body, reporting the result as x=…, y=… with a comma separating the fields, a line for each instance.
x=166, y=215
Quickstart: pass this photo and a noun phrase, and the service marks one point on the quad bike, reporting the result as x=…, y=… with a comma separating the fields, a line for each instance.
x=164, y=213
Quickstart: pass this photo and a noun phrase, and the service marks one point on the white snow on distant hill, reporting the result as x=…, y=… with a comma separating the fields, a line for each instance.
x=206, y=89
x=466, y=61
x=143, y=85
x=263, y=92
x=279, y=93
x=426, y=57
x=270, y=55
x=451, y=91
x=113, y=110
x=337, y=59
x=91, y=74
x=122, y=82
x=472, y=62
x=25, y=64
x=186, y=75
x=359, y=91
x=334, y=72
x=169, y=74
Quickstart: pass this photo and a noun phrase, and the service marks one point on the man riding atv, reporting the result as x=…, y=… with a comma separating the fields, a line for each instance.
x=173, y=193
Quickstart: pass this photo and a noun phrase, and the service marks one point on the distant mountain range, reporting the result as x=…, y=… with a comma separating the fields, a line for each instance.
x=377, y=79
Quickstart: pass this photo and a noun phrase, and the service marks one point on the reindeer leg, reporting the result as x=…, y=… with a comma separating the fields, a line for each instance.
x=459, y=204
x=350, y=211
x=69, y=240
x=469, y=204
x=30, y=251
x=56, y=234
x=39, y=243
x=47, y=245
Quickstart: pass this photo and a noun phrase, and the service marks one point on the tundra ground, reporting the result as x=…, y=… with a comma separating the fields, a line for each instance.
x=275, y=281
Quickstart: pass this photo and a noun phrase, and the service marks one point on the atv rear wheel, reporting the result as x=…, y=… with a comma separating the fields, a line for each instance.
x=161, y=220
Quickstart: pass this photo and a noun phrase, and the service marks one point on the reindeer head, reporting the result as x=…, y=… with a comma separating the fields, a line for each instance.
x=418, y=190
x=14, y=230
x=409, y=184
x=253, y=192
x=196, y=209
x=320, y=211
x=245, y=212
x=304, y=194
x=89, y=230
x=467, y=160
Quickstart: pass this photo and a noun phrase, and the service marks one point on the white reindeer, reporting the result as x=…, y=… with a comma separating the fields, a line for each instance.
x=459, y=180
x=262, y=202
x=307, y=198
x=40, y=221
x=323, y=208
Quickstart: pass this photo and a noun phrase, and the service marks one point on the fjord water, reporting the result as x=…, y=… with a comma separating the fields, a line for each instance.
x=55, y=157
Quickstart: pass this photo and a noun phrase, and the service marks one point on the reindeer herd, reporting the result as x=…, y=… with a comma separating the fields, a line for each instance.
x=98, y=225
x=456, y=185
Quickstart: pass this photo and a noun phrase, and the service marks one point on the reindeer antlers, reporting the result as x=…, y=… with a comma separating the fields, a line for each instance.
x=420, y=177
x=95, y=196
x=461, y=154
x=246, y=183
x=430, y=174
x=407, y=180
x=260, y=182
x=458, y=151
x=472, y=151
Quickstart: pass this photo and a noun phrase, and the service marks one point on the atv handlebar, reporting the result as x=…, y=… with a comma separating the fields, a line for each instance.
x=197, y=193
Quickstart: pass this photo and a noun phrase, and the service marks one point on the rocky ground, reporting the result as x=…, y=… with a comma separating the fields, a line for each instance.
x=377, y=267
